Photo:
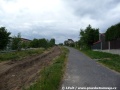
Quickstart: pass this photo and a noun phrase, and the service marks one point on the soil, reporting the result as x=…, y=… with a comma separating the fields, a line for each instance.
x=16, y=74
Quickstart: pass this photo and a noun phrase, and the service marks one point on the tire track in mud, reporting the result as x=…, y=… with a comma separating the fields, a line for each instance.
x=23, y=73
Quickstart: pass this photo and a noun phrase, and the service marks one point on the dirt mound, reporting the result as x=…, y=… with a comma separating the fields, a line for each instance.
x=16, y=74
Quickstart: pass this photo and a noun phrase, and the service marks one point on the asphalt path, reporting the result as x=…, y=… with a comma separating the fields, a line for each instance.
x=83, y=72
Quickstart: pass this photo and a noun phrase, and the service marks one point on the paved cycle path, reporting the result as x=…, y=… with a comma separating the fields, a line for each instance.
x=82, y=71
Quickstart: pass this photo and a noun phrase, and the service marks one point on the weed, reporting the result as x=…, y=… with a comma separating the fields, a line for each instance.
x=19, y=54
x=50, y=77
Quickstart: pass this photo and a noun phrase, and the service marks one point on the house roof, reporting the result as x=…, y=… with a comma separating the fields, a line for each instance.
x=101, y=34
x=97, y=42
x=70, y=40
x=24, y=39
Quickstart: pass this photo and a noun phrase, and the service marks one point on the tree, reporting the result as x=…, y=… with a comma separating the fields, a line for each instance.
x=34, y=43
x=61, y=44
x=4, y=38
x=16, y=42
x=113, y=32
x=66, y=43
x=52, y=42
x=37, y=43
x=25, y=45
x=43, y=43
x=88, y=36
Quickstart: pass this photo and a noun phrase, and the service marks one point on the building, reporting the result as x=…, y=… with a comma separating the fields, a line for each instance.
x=102, y=44
x=25, y=40
x=69, y=42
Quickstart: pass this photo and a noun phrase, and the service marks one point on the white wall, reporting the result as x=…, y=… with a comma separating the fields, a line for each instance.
x=113, y=51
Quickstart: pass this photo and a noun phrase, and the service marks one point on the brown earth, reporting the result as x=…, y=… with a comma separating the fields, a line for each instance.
x=16, y=74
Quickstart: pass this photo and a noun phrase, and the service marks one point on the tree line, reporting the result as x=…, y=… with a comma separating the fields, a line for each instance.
x=45, y=43
x=15, y=42
x=113, y=32
x=90, y=35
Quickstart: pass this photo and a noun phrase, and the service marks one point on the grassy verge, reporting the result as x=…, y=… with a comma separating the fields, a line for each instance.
x=51, y=76
x=110, y=60
x=19, y=54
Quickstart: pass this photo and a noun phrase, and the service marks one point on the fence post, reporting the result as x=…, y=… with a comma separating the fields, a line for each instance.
x=108, y=45
x=101, y=45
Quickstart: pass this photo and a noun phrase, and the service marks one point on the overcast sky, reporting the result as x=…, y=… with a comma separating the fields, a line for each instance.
x=59, y=19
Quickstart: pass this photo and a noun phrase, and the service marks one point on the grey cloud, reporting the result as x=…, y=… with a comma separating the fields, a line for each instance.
x=95, y=9
x=10, y=0
x=61, y=22
x=99, y=11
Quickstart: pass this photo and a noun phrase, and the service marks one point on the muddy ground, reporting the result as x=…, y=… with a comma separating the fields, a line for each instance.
x=16, y=74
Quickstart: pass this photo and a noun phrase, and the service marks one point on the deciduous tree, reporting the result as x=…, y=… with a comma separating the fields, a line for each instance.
x=52, y=42
x=16, y=42
x=113, y=32
x=88, y=36
x=4, y=37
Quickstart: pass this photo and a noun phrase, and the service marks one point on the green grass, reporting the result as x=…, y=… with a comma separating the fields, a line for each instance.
x=50, y=76
x=19, y=54
x=110, y=60
x=99, y=55
x=114, y=63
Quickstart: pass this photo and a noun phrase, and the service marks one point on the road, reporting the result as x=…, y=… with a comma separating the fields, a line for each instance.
x=81, y=71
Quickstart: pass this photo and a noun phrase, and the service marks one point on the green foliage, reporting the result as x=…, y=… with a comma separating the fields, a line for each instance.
x=52, y=42
x=16, y=42
x=66, y=43
x=88, y=36
x=25, y=45
x=69, y=43
x=78, y=44
x=113, y=32
x=42, y=43
x=99, y=55
x=4, y=38
x=61, y=44
x=34, y=43
x=72, y=45
x=51, y=76
x=114, y=63
x=17, y=55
